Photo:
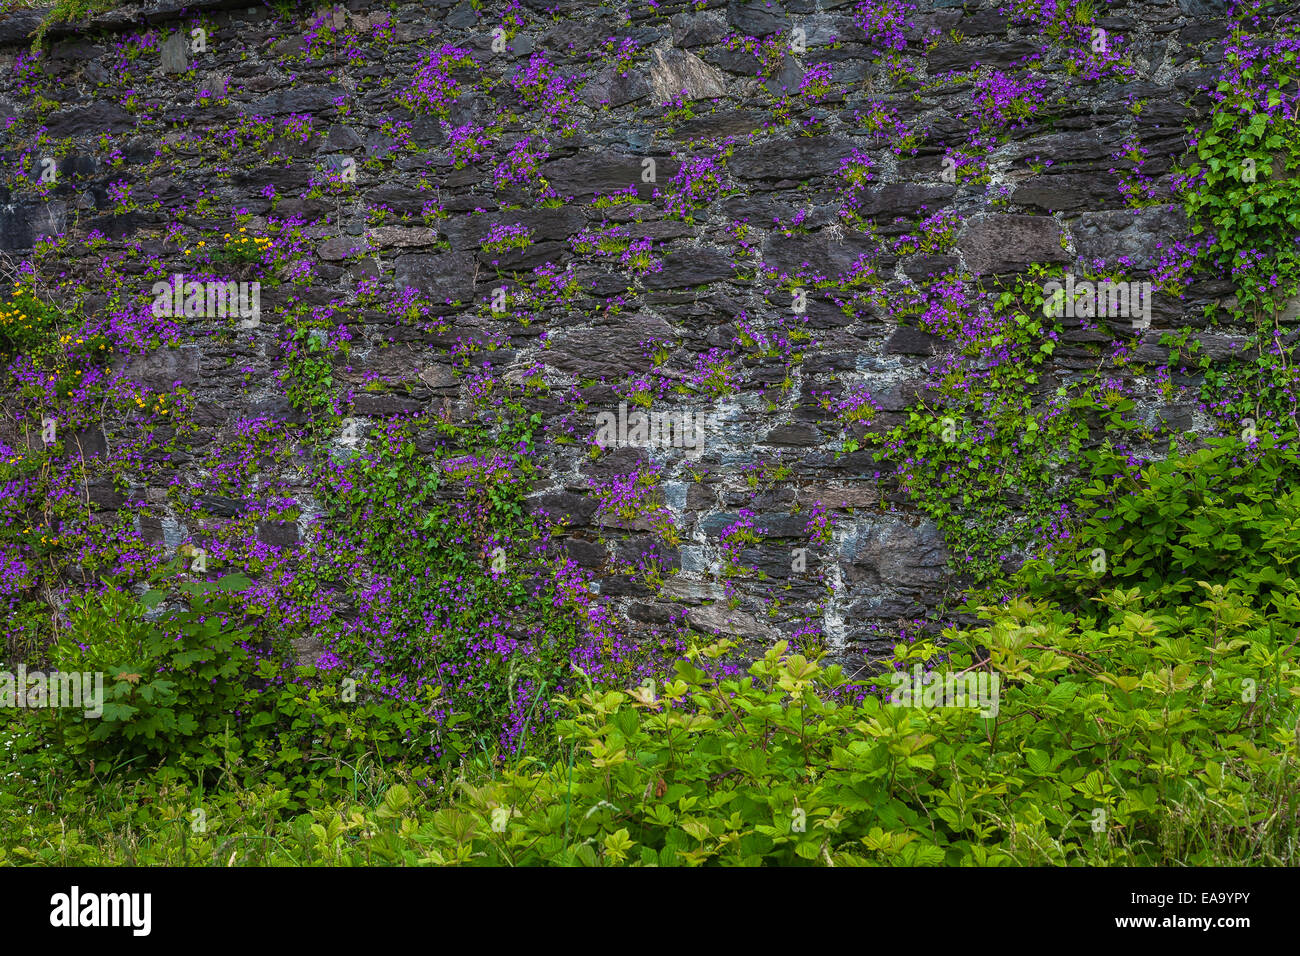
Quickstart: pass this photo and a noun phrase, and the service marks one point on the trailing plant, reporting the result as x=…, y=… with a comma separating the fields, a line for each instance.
x=988, y=461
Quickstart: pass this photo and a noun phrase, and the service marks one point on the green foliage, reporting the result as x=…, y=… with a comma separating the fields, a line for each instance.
x=449, y=534
x=240, y=250
x=1145, y=712
x=1224, y=514
x=1148, y=716
x=26, y=322
x=315, y=737
x=185, y=691
x=1243, y=200
x=989, y=464
x=767, y=770
x=70, y=11
x=1248, y=199
x=310, y=371
x=1127, y=737
x=56, y=813
x=166, y=684
x=1263, y=387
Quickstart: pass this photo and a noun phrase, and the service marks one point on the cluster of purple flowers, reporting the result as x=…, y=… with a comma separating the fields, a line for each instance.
x=434, y=88
x=697, y=183
x=522, y=165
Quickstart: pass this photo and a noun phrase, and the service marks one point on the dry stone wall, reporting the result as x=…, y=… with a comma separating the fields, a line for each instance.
x=703, y=207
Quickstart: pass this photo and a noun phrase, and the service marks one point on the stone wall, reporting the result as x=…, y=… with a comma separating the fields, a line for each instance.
x=128, y=105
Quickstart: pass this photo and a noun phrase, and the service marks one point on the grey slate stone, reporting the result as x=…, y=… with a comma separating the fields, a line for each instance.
x=997, y=244
x=676, y=73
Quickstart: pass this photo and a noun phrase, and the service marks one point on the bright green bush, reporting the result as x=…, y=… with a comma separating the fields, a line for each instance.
x=1225, y=513
x=184, y=691
x=1128, y=743
x=166, y=683
x=26, y=322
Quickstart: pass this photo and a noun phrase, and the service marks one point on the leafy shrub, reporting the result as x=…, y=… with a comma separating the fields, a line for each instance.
x=1223, y=513
x=25, y=320
x=167, y=684
x=1120, y=743
x=186, y=691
